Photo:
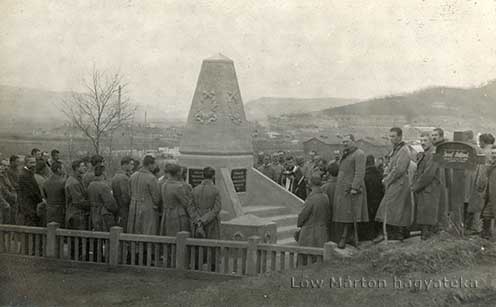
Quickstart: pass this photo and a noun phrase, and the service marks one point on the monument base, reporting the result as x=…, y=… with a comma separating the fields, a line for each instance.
x=243, y=227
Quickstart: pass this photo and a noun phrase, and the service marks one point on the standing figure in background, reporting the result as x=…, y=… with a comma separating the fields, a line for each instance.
x=120, y=188
x=206, y=207
x=103, y=206
x=278, y=168
x=176, y=202
x=90, y=174
x=54, y=191
x=13, y=175
x=267, y=169
x=350, y=199
x=7, y=194
x=41, y=171
x=145, y=200
x=395, y=209
x=427, y=188
x=77, y=206
x=28, y=194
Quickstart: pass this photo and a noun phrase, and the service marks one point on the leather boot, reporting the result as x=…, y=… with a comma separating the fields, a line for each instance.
x=486, y=229
x=342, y=241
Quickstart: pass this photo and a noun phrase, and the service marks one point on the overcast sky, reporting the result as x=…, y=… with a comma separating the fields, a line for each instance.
x=295, y=48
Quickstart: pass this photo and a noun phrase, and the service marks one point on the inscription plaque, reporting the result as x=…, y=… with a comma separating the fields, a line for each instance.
x=238, y=177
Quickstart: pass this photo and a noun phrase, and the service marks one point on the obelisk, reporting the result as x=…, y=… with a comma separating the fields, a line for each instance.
x=217, y=133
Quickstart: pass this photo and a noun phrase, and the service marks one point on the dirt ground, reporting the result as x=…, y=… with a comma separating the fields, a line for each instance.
x=26, y=282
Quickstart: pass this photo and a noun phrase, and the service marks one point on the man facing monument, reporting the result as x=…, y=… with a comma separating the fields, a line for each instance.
x=206, y=207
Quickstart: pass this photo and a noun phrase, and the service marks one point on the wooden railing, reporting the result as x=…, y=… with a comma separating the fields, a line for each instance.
x=180, y=253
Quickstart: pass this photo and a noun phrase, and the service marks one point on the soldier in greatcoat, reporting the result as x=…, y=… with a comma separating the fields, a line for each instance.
x=54, y=191
x=350, y=198
x=176, y=203
x=7, y=194
x=120, y=188
x=489, y=197
x=207, y=206
x=427, y=188
x=315, y=217
x=145, y=200
x=28, y=194
x=103, y=206
x=77, y=206
x=396, y=207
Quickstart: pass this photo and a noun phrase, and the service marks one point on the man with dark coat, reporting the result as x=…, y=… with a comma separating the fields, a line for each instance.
x=315, y=217
x=28, y=194
x=207, y=206
x=437, y=136
x=145, y=200
x=489, y=197
x=77, y=206
x=293, y=180
x=395, y=209
x=427, y=188
x=350, y=199
x=120, y=188
x=103, y=206
x=329, y=189
x=176, y=203
x=54, y=191
x=375, y=193
x=278, y=168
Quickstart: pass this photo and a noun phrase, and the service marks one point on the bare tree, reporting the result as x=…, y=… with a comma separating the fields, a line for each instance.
x=100, y=109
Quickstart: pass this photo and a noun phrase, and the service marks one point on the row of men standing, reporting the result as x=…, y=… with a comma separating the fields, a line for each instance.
x=344, y=201
x=86, y=200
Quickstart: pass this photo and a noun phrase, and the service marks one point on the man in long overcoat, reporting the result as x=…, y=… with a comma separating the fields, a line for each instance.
x=77, y=206
x=427, y=187
x=28, y=194
x=396, y=207
x=314, y=218
x=54, y=191
x=145, y=200
x=103, y=205
x=375, y=193
x=207, y=205
x=120, y=188
x=445, y=176
x=350, y=199
x=176, y=202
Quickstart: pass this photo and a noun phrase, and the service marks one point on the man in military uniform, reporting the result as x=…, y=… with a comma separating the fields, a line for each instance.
x=120, y=188
x=103, y=206
x=54, y=191
x=207, y=206
x=77, y=208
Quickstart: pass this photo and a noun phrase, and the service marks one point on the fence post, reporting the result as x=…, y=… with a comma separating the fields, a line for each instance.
x=51, y=240
x=251, y=255
x=329, y=250
x=181, y=250
x=115, y=233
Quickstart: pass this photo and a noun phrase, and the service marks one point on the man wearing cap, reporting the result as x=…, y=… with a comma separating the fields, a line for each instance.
x=207, y=206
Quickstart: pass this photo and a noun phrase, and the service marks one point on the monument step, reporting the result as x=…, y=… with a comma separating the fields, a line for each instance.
x=286, y=232
x=265, y=211
x=283, y=220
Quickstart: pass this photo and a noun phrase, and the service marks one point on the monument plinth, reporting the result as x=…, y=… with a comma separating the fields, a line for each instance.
x=217, y=133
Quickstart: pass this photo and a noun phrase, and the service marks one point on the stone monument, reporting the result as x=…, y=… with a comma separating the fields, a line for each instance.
x=218, y=135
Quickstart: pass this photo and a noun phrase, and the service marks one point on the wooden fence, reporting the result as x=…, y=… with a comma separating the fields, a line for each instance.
x=180, y=253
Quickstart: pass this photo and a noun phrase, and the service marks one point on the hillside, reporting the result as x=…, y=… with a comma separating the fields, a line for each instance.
x=25, y=108
x=259, y=109
x=478, y=102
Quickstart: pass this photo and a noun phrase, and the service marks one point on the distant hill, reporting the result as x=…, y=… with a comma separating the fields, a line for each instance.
x=261, y=108
x=24, y=108
x=477, y=102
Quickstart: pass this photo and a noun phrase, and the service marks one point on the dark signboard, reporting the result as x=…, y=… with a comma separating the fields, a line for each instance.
x=195, y=176
x=458, y=155
x=238, y=177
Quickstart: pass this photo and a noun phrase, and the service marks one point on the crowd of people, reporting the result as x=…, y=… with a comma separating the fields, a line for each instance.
x=40, y=191
x=357, y=197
